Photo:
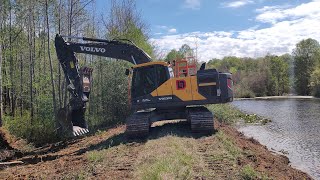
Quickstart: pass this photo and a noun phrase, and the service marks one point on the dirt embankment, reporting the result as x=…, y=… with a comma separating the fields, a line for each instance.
x=170, y=152
x=6, y=149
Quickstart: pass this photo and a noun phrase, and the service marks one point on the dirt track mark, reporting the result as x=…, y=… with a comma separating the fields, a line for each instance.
x=217, y=161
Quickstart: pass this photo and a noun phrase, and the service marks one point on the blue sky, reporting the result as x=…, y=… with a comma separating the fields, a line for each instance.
x=245, y=28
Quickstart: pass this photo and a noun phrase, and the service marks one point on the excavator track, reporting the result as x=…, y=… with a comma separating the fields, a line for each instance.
x=201, y=120
x=138, y=125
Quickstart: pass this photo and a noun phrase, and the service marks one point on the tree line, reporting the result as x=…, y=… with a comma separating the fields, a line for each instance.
x=32, y=83
x=297, y=73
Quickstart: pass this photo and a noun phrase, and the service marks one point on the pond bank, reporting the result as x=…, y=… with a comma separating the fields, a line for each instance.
x=293, y=130
x=278, y=97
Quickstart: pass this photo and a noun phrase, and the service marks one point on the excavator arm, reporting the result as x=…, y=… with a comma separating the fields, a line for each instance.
x=78, y=79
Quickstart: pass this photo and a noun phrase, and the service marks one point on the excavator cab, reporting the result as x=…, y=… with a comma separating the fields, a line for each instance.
x=148, y=78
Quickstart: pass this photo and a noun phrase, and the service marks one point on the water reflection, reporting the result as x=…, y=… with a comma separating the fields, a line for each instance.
x=295, y=128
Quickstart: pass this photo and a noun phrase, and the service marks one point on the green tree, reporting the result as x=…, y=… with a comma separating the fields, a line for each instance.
x=124, y=22
x=185, y=50
x=279, y=75
x=315, y=82
x=305, y=55
x=172, y=55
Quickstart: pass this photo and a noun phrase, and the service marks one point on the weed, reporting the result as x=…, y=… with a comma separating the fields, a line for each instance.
x=95, y=156
x=99, y=132
x=248, y=173
x=80, y=176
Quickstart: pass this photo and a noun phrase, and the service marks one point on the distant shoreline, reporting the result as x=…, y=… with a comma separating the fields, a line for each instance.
x=277, y=97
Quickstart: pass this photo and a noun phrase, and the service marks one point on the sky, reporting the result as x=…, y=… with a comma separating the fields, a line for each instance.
x=219, y=28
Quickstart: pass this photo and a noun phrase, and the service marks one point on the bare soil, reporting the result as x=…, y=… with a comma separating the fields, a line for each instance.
x=69, y=159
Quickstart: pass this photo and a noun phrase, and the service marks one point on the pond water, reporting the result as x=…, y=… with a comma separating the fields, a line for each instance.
x=294, y=130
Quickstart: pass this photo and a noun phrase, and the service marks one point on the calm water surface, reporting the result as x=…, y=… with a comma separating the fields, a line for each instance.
x=295, y=128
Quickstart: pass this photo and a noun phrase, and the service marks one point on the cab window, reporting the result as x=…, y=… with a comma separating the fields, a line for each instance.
x=162, y=74
x=144, y=81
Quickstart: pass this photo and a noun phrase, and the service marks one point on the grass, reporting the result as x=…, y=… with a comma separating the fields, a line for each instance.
x=225, y=113
x=248, y=173
x=229, y=114
x=95, y=156
x=229, y=145
x=170, y=158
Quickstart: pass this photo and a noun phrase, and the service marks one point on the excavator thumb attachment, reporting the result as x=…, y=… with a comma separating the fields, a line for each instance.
x=71, y=118
x=67, y=126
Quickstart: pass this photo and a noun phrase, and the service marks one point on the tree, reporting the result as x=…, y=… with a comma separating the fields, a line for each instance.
x=279, y=75
x=50, y=59
x=305, y=55
x=1, y=111
x=124, y=22
x=172, y=55
x=315, y=82
x=185, y=50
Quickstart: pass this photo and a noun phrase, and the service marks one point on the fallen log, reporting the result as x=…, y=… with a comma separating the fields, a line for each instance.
x=11, y=163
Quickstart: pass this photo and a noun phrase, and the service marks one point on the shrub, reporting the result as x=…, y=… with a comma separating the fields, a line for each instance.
x=38, y=131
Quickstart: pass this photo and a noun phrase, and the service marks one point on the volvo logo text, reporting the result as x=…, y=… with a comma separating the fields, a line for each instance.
x=92, y=49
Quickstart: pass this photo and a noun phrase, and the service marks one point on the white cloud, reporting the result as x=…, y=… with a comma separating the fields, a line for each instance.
x=238, y=3
x=293, y=25
x=273, y=14
x=269, y=8
x=173, y=30
x=192, y=4
x=164, y=30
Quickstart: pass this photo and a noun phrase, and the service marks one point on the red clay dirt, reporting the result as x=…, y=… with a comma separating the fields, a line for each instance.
x=67, y=159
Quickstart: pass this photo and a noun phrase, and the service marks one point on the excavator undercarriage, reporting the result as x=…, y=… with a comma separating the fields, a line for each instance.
x=199, y=117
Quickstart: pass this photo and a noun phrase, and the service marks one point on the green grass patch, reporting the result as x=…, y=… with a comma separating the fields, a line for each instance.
x=95, y=156
x=248, y=173
x=170, y=158
x=229, y=145
x=226, y=113
x=229, y=114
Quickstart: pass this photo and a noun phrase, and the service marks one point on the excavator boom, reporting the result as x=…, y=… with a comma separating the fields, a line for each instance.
x=79, y=80
x=117, y=49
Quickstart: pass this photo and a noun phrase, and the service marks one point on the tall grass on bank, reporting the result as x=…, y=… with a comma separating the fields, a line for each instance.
x=225, y=113
x=229, y=114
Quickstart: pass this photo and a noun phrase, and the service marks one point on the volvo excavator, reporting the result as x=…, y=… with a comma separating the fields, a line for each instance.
x=156, y=92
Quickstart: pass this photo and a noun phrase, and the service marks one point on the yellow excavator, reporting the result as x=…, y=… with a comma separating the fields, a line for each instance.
x=158, y=90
